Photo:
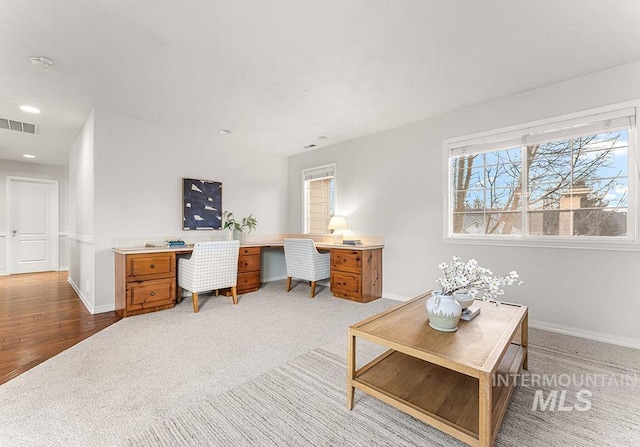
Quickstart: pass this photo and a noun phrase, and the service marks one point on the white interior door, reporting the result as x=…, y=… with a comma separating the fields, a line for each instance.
x=32, y=224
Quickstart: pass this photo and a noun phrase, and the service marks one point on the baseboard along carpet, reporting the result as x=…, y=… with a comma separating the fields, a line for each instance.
x=303, y=403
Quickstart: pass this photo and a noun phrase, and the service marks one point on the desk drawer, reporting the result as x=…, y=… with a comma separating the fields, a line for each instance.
x=346, y=260
x=346, y=284
x=249, y=263
x=248, y=282
x=151, y=293
x=249, y=251
x=151, y=266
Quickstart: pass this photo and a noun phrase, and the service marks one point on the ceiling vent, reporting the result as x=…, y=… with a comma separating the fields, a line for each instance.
x=18, y=126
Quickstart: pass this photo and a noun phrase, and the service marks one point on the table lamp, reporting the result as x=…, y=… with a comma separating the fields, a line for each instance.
x=336, y=225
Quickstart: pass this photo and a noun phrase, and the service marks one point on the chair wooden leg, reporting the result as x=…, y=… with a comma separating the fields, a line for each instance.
x=179, y=297
x=217, y=292
x=194, y=297
x=235, y=294
x=313, y=289
x=288, y=283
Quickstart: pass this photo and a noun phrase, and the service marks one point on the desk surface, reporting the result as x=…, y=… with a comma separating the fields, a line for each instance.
x=277, y=244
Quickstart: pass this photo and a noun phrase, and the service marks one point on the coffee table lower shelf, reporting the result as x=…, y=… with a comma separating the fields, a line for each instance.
x=445, y=399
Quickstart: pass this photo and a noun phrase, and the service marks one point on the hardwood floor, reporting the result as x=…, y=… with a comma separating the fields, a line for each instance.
x=41, y=316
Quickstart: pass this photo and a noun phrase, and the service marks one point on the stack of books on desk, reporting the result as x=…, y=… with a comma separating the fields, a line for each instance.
x=352, y=242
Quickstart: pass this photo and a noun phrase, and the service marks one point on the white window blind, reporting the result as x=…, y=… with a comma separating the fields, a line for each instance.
x=320, y=172
x=319, y=198
x=603, y=122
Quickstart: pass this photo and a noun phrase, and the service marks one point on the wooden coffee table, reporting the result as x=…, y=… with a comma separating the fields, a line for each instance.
x=458, y=382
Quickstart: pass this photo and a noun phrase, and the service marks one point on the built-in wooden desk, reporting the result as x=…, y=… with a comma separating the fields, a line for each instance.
x=146, y=276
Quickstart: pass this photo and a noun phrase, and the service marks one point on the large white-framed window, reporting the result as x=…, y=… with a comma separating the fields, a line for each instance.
x=565, y=181
x=319, y=197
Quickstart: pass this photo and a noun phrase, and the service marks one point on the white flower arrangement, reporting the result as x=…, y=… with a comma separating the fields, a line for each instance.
x=471, y=278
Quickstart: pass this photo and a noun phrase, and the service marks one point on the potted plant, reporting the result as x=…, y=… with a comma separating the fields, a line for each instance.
x=466, y=278
x=239, y=229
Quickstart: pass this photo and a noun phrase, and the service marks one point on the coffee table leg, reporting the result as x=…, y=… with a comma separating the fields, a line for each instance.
x=525, y=341
x=485, y=418
x=351, y=369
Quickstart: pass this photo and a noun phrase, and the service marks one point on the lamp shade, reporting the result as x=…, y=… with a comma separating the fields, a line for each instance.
x=338, y=223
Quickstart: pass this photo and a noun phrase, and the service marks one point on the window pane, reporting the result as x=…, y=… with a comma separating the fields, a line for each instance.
x=544, y=223
x=470, y=222
x=486, y=193
x=476, y=222
x=577, y=185
x=599, y=222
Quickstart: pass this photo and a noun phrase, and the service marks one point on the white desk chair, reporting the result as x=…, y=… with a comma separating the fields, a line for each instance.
x=304, y=262
x=212, y=266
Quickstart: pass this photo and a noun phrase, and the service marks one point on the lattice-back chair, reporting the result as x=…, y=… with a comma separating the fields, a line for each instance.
x=212, y=266
x=304, y=262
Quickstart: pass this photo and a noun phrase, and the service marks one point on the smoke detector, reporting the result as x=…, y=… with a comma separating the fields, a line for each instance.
x=42, y=62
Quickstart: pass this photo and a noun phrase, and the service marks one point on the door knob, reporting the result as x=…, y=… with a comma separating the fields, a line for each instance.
x=14, y=232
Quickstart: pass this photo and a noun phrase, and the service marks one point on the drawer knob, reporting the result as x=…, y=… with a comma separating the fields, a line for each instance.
x=153, y=294
x=344, y=260
x=357, y=259
x=153, y=266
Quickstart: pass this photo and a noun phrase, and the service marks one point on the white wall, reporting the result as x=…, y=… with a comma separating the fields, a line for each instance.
x=139, y=168
x=35, y=170
x=391, y=184
x=81, y=205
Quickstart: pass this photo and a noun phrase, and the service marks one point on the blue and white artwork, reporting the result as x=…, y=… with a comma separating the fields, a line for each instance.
x=202, y=201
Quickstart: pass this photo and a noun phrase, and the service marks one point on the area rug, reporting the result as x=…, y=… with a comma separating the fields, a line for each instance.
x=303, y=403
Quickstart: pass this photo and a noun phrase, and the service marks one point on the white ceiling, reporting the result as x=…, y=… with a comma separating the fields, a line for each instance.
x=281, y=73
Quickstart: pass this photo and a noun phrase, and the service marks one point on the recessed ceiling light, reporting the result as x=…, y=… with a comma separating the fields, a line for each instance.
x=224, y=131
x=30, y=109
x=322, y=137
x=28, y=156
x=42, y=62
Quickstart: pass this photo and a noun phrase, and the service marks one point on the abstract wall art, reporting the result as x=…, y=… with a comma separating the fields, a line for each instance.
x=202, y=204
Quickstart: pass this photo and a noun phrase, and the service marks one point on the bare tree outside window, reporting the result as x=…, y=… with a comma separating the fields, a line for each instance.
x=575, y=187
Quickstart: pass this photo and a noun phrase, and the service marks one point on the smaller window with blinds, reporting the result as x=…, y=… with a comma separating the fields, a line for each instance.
x=319, y=197
x=565, y=179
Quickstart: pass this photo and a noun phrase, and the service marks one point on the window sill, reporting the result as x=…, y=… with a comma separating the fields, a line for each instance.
x=618, y=245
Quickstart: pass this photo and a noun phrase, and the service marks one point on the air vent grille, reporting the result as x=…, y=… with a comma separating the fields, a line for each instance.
x=18, y=126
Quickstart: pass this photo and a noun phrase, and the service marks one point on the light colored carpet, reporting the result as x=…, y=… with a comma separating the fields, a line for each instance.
x=147, y=370
x=303, y=403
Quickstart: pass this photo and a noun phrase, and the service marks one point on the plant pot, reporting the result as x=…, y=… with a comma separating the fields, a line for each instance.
x=464, y=299
x=238, y=236
x=443, y=312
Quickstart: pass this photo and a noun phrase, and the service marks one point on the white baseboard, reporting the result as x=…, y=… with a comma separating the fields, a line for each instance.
x=83, y=298
x=63, y=269
x=589, y=335
x=274, y=278
x=394, y=297
x=104, y=308
x=92, y=309
x=3, y=273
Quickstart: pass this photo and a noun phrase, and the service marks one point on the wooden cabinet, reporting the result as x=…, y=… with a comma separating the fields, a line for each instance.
x=145, y=282
x=248, y=270
x=356, y=274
